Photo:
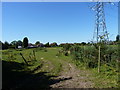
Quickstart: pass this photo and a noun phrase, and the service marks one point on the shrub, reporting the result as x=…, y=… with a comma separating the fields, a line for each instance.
x=66, y=53
x=77, y=52
x=92, y=64
x=67, y=47
x=88, y=55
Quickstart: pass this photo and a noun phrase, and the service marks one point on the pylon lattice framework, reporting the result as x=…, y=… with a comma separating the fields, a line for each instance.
x=100, y=31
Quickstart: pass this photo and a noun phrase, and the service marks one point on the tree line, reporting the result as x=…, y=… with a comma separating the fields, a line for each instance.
x=14, y=44
x=25, y=43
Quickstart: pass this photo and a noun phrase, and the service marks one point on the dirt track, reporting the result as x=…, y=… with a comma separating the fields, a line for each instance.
x=73, y=77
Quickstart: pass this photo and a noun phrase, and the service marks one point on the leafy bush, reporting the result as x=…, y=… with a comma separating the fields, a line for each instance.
x=66, y=53
x=89, y=54
x=77, y=52
x=67, y=47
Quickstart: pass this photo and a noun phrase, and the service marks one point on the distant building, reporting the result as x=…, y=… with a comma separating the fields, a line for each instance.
x=40, y=45
x=31, y=45
x=19, y=47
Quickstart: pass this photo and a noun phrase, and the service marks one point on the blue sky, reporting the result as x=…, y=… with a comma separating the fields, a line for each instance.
x=59, y=22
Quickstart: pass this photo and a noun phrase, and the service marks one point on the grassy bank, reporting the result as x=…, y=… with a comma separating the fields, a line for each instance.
x=46, y=64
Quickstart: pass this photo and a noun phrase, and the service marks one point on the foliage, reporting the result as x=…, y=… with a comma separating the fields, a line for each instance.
x=89, y=54
x=47, y=44
x=19, y=43
x=25, y=42
x=85, y=55
x=83, y=43
x=77, y=52
x=13, y=43
x=1, y=45
x=37, y=43
x=53, y=44
x=51, y=62
x=117, y=38
x=4, y=45
x=67, y=47
x=77, y=43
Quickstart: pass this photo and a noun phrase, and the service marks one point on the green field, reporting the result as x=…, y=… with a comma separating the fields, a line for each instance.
x=48, y=69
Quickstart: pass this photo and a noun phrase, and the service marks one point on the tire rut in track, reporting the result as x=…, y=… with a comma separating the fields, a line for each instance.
x=74, y=78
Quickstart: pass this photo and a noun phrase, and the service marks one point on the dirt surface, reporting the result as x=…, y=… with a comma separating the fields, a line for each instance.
x=73, y=77
x=69, y=77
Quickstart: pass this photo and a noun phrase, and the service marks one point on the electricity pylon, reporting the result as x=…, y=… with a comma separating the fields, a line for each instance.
x=100, y=30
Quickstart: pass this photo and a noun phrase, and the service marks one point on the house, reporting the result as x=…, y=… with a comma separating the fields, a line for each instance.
x=31, y=45
x=19, y=47
x=40, y=45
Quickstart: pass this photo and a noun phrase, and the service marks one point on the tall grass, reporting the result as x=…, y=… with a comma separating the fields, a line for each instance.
x=87, y=56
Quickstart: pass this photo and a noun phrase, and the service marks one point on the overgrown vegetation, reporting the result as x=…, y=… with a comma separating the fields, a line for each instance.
x=88, y=56
x=47, y=58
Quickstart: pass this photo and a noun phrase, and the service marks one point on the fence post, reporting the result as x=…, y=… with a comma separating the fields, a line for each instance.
x=24, y=58
x=34, y=55
x=99, y=60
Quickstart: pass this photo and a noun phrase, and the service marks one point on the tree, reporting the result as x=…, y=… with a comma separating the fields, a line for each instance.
x=25, y=42
x=53, y=44
x=6, y=45
x=13, y=44
x=47, y=44
x=83, y=43
x=19, y=43
x=77, y=44
x=67, y=46
x=117, y=38
x=1, y=45
x=37, y=43
x=62, y=44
